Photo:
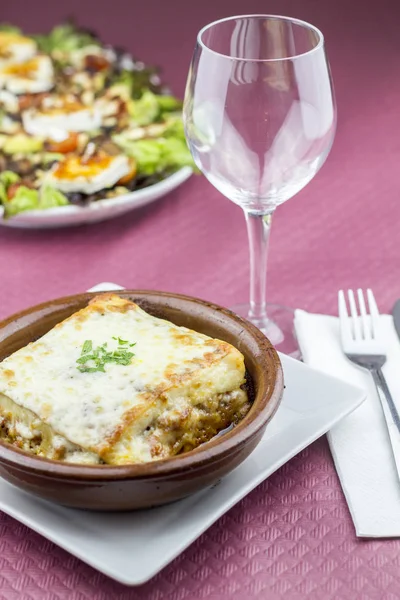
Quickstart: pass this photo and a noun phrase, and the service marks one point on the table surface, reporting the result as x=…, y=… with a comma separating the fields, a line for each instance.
x=293, y=536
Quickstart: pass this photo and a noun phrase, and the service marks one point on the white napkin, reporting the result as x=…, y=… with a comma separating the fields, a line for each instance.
x=105, y=287
x=359, y=443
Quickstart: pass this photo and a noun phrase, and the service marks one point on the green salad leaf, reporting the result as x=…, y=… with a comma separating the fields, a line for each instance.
x=3, y=194
x=27, y=199
x=6, y=179
x=174, y=127
x=169, y=103
x=24, y=199
x=22, y=144
x=49, y=197
x=157, y=155
x=10, y=28
x=65, y=38
x=136, y=82
x=48, y=157
x=9, y=177
x=164, y=150
x=175, y=153
x=147, y=154
x=145, y=110
x=150, y=107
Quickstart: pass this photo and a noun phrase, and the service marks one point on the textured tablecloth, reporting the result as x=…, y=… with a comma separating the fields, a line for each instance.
x=292, y=537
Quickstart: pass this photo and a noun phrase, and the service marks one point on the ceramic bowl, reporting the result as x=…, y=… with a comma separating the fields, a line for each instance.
x=117, y=488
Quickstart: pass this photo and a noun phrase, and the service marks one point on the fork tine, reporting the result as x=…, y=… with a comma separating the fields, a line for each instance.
x=354, y=316
x=374, y=312
x=345, y=330
x=365, y=321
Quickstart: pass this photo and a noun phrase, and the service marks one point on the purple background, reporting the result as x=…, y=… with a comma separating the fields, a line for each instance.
x=292, y=537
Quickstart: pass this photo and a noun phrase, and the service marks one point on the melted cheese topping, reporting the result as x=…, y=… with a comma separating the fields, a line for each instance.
x=23, y=428
x=179, y=389
x=75, y=174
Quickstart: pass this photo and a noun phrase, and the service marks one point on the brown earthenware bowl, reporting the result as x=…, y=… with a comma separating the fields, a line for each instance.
x=129, y=487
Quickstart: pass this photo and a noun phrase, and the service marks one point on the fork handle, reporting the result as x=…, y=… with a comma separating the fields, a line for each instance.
x=390, y=413
x=386, y=398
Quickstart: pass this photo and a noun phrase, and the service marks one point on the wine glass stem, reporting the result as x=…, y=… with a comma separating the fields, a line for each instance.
x=258, y=230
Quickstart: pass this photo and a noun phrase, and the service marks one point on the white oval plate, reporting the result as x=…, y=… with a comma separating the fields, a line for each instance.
x=102, y=210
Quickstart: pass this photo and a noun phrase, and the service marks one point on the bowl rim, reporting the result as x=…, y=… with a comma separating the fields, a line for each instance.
x=214, y=450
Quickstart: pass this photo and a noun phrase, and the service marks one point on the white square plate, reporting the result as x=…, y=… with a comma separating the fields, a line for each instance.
x=133, y=547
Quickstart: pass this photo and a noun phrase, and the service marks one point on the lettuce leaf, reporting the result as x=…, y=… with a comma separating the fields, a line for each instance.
x=145, y=110
x=174, y=128
x=28, y=199
x=8, y=177
x=24, y=199
x=150, y=107
x=48, y=157
x=175, y=153
x=10, y=28
x=136, y=82
x=3, y=193
x=169, y=103
x=157, y=155
x=147, y=154
x=65, y=38
x=49, y=197
x=21, y=143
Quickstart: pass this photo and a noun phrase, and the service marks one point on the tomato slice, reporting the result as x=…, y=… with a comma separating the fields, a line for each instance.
x=26, y=101
x=70, y=144
x=13, y=188
x=93, y=62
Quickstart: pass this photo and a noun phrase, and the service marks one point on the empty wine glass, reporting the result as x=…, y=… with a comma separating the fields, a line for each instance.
x=260, y=119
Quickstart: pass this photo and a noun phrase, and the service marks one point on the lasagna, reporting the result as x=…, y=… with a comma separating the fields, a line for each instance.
x=115, y=385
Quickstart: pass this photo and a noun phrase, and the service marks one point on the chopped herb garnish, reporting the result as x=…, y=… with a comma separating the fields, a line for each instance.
x=122, y=342
x=94, y=359
x=87, y=346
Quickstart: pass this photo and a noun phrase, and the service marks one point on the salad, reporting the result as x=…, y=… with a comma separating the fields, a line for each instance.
x=81, y=121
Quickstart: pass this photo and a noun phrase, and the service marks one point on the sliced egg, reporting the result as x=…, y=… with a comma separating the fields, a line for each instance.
x=112, y=110
x=29, y=77
x=15, y=47
x=110, y=106
x=77, y=174
x=9, y=126
x=64, y=114
x=8, y=101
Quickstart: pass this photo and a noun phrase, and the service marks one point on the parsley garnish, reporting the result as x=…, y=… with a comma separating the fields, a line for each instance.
x=122, y=342
x=95, y=359
x=87, y=346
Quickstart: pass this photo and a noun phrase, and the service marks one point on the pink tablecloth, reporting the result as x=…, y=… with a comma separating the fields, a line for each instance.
x=292, y=537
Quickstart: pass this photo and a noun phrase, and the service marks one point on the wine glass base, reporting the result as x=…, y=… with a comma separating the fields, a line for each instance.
x=278, y=327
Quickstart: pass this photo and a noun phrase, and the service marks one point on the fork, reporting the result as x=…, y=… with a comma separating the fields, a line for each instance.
x=363, y=344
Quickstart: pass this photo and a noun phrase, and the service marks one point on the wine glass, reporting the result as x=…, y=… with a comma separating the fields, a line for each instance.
x=260, y=118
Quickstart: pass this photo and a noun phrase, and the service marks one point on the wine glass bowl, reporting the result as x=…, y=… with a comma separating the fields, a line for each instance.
x=260, y=119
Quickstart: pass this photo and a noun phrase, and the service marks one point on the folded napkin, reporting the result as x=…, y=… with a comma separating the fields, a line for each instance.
x=106, y=286
x=359, y=443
